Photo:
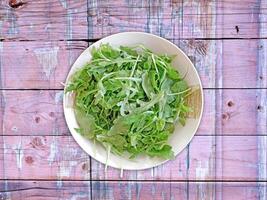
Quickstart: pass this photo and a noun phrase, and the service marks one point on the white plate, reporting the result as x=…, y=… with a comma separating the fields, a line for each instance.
x=182, y=135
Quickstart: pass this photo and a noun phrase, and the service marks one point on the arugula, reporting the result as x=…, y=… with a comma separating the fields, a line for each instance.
x=129, y=100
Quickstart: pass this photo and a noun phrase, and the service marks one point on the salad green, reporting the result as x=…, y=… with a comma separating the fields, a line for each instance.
x=129, y=99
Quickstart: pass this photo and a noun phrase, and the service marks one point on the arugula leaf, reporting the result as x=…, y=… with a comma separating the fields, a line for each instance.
x=129, y=99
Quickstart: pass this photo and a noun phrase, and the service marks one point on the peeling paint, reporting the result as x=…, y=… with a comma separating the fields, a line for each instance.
x=78, y=196
x=139, y=187
x=12, y=18
x=163, y=195
x=66, y=165
x=202, y=172
x=69, y=24
x=19, y=154
x=1, y=46
x=129, y=189
x=1, y=24
x=7, y=195
x=65, y=168
x=63, y=3
x=59, y=97
x=121, y=174
x=53, y=151
x=59, y=183
x=48, y=59
x=152, y=172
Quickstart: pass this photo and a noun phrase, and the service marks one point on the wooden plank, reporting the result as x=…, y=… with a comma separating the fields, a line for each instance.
x=43, y=65
x=34, y=112
x=238, y=20
x=60, y=158
x=45, y=20
x=262, y=102
x=138, y=190
x=64, y=19
x=44, y=157
x=236, y=66
x=174, y=190
x=45, y=190
x=236, y=163
x=37, y=65
x=177, y=19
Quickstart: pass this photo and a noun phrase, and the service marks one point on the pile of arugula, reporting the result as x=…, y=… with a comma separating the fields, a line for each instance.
x=129, y=100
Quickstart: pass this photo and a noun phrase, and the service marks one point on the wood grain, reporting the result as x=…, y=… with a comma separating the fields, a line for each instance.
x=262, y=100
x=60, y=158
x=44, y=157
x=80, y=190
x=43, y=65
x=236, y=111
x=174, y=190
x=177, y=19
x=37, y=65
x=224, y=158
x=226, y=40
x=67, y=20
x=45, y=190
x=43, y=20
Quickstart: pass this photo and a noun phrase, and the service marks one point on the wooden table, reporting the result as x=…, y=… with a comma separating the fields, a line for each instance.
x=226, y=40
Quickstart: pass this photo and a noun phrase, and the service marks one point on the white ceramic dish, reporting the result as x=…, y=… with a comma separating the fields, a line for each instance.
x=182, y=135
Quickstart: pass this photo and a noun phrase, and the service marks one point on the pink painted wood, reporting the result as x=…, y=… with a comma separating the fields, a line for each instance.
x=40, y=40
x=38, y=65
x=43, y=65
x=52, y=190
x=177, y=19
x=43, y=20
x=60, y=158
x=43, y=110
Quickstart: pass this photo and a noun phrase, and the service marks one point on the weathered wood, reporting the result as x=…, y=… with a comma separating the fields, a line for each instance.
x=262, y=102
x=138, y=190
x=45, y=190
x=43, y=65
x=230, y=144
x=238, y=155
x=43, y=20
x=37, y=65
x=174, y=190
x=54, y=20
x=177, y=19
x=60, y=158
x=33, y=112
x=236, y=64
x=51, y=190
x=44, y=157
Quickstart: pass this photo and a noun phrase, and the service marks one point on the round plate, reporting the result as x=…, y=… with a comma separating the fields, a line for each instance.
x=181, y=136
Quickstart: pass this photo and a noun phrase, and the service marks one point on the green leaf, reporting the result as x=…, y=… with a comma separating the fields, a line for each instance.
x=173, y=74
x=86, y=124
x=164, y=152
x=179, y=86
x=147, y=87
x=128, y=99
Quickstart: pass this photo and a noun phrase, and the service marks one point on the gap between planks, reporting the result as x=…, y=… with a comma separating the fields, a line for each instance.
x=140, y=181
x=96, y=39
